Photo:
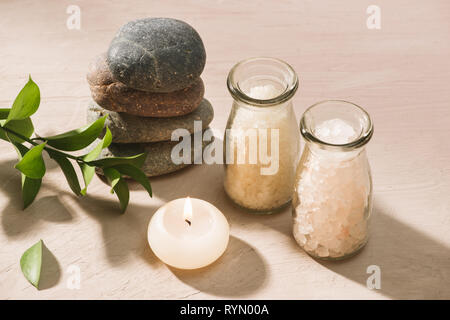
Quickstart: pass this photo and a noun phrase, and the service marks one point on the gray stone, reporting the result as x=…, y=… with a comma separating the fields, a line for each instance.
x=157, y=55
x=126, y=128
x=158, y=161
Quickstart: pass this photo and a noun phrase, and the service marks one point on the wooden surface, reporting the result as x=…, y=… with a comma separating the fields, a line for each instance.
x=400, y=74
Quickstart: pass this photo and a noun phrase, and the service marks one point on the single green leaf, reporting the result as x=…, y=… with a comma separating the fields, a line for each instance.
x=32, y=164
x=122, y=192
x=89, y=171
x=26, y=103
x=23, y=127
x=30, y=187
x=112, y=175
x=137, y=161
x=68, y=170
x=77, y=139
x=107, y=139
x=136, y=174
x=120, y=187
x=4, y=112
x=31, y=263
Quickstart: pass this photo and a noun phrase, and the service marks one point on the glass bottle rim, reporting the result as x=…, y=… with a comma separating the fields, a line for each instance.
x=364, y=136
x=237, y=93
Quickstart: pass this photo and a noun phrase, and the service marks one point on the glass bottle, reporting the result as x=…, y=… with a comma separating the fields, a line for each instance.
x=261, y=142
x=332, y=200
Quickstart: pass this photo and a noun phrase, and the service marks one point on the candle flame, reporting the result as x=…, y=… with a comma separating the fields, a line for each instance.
x=187, y=214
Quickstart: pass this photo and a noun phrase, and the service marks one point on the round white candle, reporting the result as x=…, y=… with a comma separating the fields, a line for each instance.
x=188, y=233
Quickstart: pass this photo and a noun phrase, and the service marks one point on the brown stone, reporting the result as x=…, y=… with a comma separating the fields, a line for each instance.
x=115, y=96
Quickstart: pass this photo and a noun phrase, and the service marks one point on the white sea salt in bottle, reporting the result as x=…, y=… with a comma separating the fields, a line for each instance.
x=262, y=142
x=332, y=200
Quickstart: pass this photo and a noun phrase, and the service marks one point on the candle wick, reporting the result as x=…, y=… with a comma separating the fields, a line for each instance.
x=189, y=222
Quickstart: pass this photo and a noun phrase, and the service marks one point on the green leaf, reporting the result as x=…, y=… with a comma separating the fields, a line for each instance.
x=26, y=103
x=112, y=175
x=136, y=161
x=4, y=113
x=23, y=127
x=30, y=187
x=77, y=139
x=32, y=164
x=136, y=174
x=120, y=187
x=31, y=263
x=107, y=139
x=89, y=171
x=68, y=170
x=122, y=192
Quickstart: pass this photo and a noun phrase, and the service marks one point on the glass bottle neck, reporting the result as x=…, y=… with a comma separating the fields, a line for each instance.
x=262, y=82
x=333, y=154
x=284, y=106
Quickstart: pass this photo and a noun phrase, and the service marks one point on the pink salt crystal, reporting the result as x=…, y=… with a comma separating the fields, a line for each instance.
x=322, y=251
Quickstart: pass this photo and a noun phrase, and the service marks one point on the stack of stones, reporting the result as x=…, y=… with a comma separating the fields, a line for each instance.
x=149, y=85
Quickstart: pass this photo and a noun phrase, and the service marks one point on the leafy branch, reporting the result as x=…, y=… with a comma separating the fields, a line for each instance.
x=17, y=128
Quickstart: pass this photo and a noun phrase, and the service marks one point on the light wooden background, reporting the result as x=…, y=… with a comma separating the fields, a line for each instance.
x=400, y=74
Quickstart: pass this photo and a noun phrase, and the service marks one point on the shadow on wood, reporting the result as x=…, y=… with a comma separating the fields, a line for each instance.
x=124, y=234
x=413, y=265
x=51, y=270
x=239, y=272
x=16, y=221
